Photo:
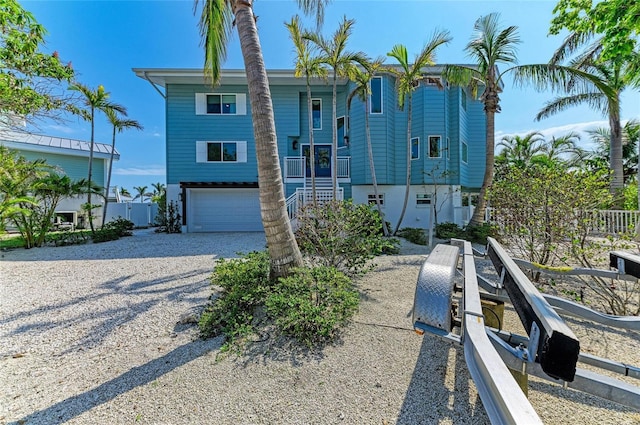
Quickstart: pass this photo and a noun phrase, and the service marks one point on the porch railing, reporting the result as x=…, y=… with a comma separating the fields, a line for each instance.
x=295, y=167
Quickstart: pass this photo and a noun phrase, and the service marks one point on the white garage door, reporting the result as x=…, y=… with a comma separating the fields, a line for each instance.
x=224, y=210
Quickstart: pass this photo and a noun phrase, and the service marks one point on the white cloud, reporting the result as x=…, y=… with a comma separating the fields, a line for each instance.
x=149, y=171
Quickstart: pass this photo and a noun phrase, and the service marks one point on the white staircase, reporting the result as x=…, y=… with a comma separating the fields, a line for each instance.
x=304, y=195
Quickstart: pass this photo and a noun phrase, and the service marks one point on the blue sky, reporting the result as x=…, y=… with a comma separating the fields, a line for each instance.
x=104, y=39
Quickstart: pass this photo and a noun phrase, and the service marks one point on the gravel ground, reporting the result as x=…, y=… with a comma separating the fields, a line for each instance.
x=90, y=335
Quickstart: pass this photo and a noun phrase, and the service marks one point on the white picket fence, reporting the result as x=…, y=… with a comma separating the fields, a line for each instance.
x=142, y=214
x=604, y=222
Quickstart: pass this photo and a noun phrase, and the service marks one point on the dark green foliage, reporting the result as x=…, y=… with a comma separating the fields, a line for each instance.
x=479, y=233
x=413, y=235
x=311, y=304
x=449, y=230
x=67, y=237
x=343, y=235
x=114, y=230
x=245, y=285
x=168, y=218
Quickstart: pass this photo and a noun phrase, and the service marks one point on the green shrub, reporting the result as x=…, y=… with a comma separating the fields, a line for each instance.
x=413, y=235
x=311, y=304
x=479, y=234
x=245, y=284
x=67, y=237
x=105, y=235
x=449, y=230
x=343, y=235
x=121, y=226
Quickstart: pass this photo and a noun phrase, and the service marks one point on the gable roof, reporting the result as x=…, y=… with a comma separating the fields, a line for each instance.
x=51, y=144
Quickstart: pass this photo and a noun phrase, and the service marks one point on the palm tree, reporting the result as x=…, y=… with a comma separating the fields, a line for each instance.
x=630, y=136
x=308, y=66
x=118, y=124
x=519, y=151
x=408, y=79
x=124, y=191
x=216, y=23
x=557, y=149
x=362, y=79
x=92, y=100
x=142, y=192
x=335, y=55
x=614, y=77
x=490, y=46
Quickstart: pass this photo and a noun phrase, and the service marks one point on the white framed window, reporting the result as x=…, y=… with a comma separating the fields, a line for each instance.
x=371, y=199
x=316, y=113
x=221, y=104
x=223, y=151
x=415, y=148
x=423, y=200
x=375, y=98
x=340, y=125
x=463, y=98
x=465, y=152
x=435, y=146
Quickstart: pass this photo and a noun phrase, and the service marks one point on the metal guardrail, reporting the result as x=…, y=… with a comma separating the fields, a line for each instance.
x=557, y=346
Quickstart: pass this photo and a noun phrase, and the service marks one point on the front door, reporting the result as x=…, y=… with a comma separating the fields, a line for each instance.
x=322, y=156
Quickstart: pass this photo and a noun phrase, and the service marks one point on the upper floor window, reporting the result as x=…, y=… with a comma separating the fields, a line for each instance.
x=463, y=98
x=415, y=148
x=316, y=113
x=434, y=146
x=375, y=103
x=221, y=151
x=221, y=104
x=342, y=141
x=465, y=152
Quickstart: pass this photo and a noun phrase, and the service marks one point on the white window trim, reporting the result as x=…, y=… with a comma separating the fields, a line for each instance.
x=381, y=97
x=424, y=205
x=439, y=146
x=418, y=157
x=320, y=100
x=201, y=151
x=201, y=103
x=462, y=159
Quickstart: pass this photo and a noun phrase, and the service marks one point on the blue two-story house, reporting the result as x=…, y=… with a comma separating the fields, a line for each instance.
x=211, y=160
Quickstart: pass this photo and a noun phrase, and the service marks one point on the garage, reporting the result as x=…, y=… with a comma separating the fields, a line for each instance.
x=224, y=210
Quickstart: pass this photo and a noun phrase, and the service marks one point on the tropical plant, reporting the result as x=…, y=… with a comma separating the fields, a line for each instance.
x=491, y=46
x=16, y=177
x=119, y=124
x=124, y=191
x=362, y=79
x=307, y=66
x=29, y=78
x=408, y=77
x=613, y=77
x=335, y=54
x=216, y=23
x=141, y=193
x=159, y=189
x=630, y=137
x=519, y=151
x=93, y=99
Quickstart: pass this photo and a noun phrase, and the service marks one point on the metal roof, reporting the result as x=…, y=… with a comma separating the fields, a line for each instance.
x=43, y=143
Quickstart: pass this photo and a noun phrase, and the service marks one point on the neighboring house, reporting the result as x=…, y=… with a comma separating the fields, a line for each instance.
x=211, y=161
x=71, y=157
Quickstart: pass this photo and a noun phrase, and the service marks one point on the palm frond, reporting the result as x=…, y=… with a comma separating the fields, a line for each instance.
x=216, y=24
x=314, y=7
x=569, y=46
x=594, y=100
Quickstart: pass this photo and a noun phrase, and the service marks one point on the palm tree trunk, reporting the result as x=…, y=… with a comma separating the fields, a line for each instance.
x=334, y=128
x=90, y=173
x=374, y=181
x=408, y=184
x=479, y=213
x=281, y=243
x=312, y=154
x=615, y=154
x=106, y=198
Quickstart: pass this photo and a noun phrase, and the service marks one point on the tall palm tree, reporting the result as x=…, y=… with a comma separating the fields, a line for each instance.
x=630, y=137
x=335, y=54
x=614, y=77
x=408, y=78
x=93, y=99
x=142, y=192
x=216, y=23
x=489, y=47
x=119, y=124
x=307, y=66
x=362, y=79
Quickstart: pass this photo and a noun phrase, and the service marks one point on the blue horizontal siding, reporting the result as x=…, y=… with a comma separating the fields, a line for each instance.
x=73, y=166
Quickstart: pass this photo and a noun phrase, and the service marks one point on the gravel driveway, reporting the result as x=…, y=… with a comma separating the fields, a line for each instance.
x=90, y=335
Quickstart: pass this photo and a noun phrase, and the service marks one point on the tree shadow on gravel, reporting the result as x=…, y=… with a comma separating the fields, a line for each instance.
x=105, y=320
x=141, y=375
x=427, y=399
